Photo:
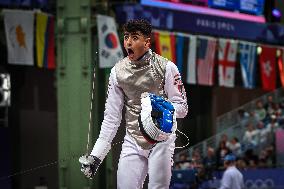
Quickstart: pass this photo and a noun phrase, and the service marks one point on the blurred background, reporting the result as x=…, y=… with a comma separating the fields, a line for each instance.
x=230, y=55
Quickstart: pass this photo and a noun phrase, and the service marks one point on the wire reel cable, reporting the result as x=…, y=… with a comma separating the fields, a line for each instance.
x=184, y=146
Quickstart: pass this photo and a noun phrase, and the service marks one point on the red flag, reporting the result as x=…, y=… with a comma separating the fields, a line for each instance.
x=206, y=61
x=267, y=68
x=50, y=48
x=281, y=66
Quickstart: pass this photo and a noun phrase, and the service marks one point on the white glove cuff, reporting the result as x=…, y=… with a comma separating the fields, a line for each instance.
x=101, y=148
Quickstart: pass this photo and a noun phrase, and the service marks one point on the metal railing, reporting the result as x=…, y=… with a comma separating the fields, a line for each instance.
x=235, y=131
x=230, y=125
x=231, y=118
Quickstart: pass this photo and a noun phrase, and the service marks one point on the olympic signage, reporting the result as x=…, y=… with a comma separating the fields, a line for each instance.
x=259, y=183
x=264, y=178
x=202, y=23
x=253, y=178
x=261, y=178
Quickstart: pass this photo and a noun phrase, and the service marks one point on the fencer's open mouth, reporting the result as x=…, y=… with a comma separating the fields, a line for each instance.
x=130, y=51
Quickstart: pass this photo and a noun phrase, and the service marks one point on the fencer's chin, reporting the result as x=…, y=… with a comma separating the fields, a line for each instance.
x=131, y=57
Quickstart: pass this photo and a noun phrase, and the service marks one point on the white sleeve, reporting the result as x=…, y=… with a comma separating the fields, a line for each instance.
x=175, y=90
x=112, y=117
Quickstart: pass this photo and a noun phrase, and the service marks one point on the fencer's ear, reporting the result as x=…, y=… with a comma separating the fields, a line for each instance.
x=148, y=42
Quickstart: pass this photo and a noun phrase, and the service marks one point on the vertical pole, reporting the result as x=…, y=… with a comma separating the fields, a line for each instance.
x=74, y=76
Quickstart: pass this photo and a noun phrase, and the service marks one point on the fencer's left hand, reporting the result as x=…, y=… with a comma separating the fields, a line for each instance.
x=162, y=111
x=89, y=166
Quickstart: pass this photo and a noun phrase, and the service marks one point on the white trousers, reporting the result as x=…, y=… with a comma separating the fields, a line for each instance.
x=135, y=163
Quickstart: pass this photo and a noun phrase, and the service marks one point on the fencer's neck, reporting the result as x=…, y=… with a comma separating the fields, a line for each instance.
x=143, y=60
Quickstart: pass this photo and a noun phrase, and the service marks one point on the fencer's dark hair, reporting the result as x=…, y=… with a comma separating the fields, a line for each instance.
x=136, y=25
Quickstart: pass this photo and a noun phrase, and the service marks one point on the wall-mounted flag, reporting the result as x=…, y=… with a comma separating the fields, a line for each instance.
x=19, y=28
x=248, y=63
x=165, y=45
x=109, y=45
x=206, y=60
x=267, y=62
x=227, y=56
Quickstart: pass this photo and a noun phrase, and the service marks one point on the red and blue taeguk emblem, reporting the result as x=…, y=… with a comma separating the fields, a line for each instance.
x=111, y=41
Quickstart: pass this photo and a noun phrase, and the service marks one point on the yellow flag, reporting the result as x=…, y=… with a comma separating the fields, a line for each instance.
x=41, y=24
x=165, y=45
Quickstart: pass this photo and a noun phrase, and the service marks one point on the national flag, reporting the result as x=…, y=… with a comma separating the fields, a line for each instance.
x=41, y=27
x=50, y=60
x=19, y=29
x=165, y=45
x=227, y=55
x=45, y=54
x=248, y=63
x=281, y=65
x=186, y=57
x=180, y=46
x=206, y=60
x=267, y=67
x=110, y=50
x=191, y=60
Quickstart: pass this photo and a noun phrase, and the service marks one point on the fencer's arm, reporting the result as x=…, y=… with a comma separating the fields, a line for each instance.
x=112, y=118
x=175, y=90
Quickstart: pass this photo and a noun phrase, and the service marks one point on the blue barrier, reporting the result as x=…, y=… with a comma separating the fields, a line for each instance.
x=182, y=179
x=264, y=178
x=254, y=178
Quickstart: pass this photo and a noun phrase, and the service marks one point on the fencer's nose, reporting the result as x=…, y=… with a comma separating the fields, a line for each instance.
x=128, y=42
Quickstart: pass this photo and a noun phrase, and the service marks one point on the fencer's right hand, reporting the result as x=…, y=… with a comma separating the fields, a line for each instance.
x=90, y=165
